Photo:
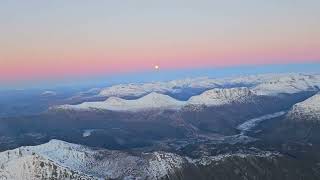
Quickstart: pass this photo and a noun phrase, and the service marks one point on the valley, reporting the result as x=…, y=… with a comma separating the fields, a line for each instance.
x=226, y=132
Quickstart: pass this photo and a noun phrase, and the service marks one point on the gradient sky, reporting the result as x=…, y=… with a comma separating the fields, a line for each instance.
x=48, y=39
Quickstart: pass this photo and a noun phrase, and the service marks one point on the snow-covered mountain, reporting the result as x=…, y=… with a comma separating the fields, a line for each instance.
x=153, y=93
x=264, y=84
x=140, y=89
x=290, y=84
x=307, y=110
x=217, y=96
x=214, y=97
x=150, y=101
x=61, y=160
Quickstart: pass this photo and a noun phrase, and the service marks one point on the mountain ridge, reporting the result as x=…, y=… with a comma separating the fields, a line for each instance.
x=214, y=93
x=153, y=100
x=62, y=160
x=308, y=109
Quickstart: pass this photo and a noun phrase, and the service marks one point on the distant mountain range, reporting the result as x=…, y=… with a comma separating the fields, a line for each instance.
x=155, y=100
x=155, y=95
x=253, y=127
x=266, y=84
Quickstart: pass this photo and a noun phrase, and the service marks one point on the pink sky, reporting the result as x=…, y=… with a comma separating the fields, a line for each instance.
x=42, y=40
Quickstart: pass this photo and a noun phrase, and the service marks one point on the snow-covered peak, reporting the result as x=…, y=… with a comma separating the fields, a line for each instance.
x=140, y=89
x=48, y=93
x=308, y=109
x=61, y=160
x=214, y=97
x=154, y=101
x=55, y=145
x=41, y=162
x=152, y=94
x=264, y=84
x=292, y=83
x=222, y=96
x=156, y=98
x=150, y=101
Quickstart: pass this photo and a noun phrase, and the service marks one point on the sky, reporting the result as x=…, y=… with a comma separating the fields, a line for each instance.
x=53, y=40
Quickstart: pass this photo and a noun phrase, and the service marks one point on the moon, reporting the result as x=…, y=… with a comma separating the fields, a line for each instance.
x=156, y=67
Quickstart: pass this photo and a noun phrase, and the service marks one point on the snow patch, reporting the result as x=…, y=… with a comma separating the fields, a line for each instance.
x=87, y=132
x=250, y=124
